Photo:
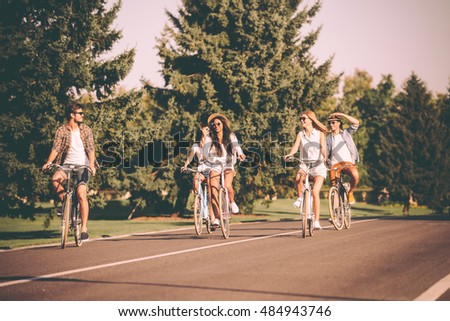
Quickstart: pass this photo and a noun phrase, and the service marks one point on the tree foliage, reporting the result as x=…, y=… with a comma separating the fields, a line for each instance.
x=412, y=147
x=52, y=51
x=251, y=61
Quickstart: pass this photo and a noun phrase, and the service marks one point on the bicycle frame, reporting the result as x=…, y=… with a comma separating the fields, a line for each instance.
x=201, y=204
x=338, y=205
x=224, y=206
x=70, y=217
x=306, y=209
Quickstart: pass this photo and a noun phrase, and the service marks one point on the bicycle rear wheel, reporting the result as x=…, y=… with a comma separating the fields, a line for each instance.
x=347, y=212
x=198, y=221
x=67, y=205
x=334, y=207
x=76, y=221
x=225, y=214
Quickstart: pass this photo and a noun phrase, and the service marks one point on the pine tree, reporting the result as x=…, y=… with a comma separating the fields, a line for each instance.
x=375, y=108
x=411, y=146
x=251, y=61
x=52, y=51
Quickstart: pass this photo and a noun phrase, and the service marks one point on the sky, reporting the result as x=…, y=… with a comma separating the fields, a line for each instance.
x=382, y=37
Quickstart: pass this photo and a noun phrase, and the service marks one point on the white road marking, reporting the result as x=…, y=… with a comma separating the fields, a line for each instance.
x=438, y=289
x=152, y=257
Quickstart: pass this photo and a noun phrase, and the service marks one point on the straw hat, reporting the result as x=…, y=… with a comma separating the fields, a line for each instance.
x=215, y=115
x=314, y=119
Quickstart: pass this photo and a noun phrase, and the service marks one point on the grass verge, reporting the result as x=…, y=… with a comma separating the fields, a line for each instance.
x=112, y=221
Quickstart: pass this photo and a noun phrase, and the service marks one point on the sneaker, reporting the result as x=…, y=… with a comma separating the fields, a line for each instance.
x=84, y=236
x=298, y=202
x=59, y=211
x=351, y=198
x=216, y=223
x=317, y=225
x=234, y=208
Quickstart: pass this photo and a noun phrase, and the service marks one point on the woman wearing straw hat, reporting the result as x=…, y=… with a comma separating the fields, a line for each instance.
x=221, y=147
x=311, y=142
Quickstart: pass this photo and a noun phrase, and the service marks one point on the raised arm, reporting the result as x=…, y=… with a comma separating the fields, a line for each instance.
x=351, y=119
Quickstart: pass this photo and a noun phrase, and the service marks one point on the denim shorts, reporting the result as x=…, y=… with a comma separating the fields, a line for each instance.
x=80, y=176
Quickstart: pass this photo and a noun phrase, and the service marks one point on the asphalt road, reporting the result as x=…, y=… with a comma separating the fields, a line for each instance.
x=389, y=259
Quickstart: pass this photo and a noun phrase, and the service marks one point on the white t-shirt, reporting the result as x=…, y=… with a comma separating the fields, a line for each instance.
x=76, y=154
x=340, y=152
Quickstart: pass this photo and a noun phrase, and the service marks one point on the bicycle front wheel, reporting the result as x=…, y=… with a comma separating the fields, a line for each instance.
x=347, y=212
x=65, y=217
x=304, y=212
x=310, y=214
x=334, y=207
x=198, y=224
x=224, y=206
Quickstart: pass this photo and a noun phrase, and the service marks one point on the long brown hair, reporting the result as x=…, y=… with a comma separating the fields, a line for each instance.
x=226, y=140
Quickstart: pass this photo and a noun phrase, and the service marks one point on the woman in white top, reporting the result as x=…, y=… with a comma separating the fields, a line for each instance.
x=220, y=149
x=197, y=150
x=311, y=142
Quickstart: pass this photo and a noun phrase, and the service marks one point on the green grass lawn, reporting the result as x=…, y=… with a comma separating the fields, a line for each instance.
x=112, y=221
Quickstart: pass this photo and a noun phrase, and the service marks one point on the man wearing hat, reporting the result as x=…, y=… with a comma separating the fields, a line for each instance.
x=342, y=151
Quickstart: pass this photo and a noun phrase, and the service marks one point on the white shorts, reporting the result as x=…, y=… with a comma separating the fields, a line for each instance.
x=319, y=170
x=218, y=167
x=203, y=168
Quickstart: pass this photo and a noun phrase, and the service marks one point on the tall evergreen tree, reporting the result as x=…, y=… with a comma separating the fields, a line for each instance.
x=411, y=148
x=251, y=61
x=374, y=108
x=51, y=52
x=441, y=201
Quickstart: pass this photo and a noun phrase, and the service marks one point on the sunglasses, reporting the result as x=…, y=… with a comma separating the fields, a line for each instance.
x=333, y=122
x=216, y=124
x=79, y=113
x=303, y=118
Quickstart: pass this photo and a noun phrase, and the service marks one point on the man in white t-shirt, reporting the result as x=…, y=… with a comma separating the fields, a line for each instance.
x=74, y=145
x=342, y=151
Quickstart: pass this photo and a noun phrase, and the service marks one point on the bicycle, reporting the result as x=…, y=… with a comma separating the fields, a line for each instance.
x=70, y=216
x=306, y=211
x=224, y=206
x=201, y=204
x=338, y=204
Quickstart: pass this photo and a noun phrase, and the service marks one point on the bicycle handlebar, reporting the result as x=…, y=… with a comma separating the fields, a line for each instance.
x=67, y=168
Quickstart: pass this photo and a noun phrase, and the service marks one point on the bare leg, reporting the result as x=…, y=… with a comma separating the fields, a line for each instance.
x=318, y=181
x=299, y=180
x=57, y=181
x=84, y=206
x=229, y=176
x=214, y=186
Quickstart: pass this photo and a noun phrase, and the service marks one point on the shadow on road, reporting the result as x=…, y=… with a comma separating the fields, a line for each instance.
x=270, y=294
